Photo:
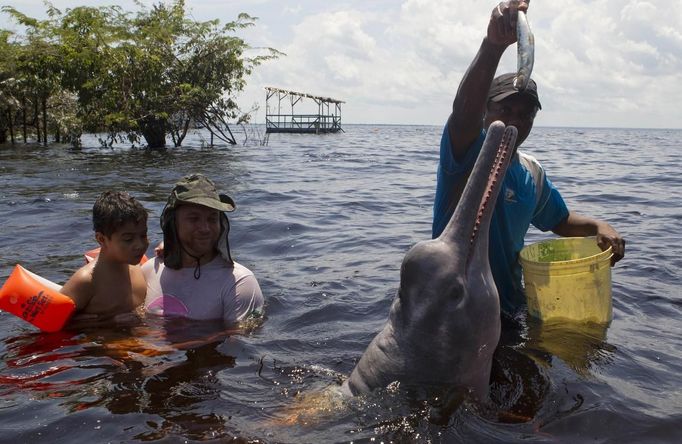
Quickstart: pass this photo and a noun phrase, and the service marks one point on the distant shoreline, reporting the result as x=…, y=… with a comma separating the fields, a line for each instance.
x=534, y=127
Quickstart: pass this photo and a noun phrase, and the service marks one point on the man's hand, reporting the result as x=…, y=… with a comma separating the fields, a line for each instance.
x=607, y=237
x=502, y=25
x=158, y=250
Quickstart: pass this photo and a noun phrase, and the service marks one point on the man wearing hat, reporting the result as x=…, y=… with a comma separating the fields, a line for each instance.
x=197, y=277
x=527, y=195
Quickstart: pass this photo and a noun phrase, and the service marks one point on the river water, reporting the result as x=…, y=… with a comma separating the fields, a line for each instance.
x=324, y=221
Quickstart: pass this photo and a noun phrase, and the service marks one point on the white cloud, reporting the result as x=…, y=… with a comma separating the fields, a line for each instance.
x=605, y=63
x=598, y=63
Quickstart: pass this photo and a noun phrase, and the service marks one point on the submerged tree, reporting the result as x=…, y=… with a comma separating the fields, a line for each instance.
x=8, y=103
x=30, y=76
x=165, y=71
x=90, y=38
x=147, y=74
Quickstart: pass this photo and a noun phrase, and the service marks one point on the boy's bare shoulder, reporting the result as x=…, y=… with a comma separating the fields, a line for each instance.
x=82, y=276
x=80, y=286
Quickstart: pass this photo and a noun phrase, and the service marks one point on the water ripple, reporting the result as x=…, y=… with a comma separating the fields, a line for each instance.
x=324, y=222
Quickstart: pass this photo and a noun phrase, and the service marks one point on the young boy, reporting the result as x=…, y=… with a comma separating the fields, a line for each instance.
x=113, y=284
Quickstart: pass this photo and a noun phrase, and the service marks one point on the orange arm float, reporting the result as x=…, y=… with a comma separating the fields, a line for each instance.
x=92, y=255
x=35, y=300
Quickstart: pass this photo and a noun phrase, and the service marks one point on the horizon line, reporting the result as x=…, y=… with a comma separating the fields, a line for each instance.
x=534, y=126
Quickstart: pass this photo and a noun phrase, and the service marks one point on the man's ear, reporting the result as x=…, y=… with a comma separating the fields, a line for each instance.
x=100, y=237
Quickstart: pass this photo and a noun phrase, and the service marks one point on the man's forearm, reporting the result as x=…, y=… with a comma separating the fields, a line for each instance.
x=469, y=106
x=473, y=89
x=577, y=225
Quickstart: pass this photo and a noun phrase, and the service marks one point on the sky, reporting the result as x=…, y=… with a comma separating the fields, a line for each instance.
x=600, y=63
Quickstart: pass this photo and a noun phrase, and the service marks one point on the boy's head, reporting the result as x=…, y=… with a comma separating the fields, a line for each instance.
x=120, y=224
x=113, y=209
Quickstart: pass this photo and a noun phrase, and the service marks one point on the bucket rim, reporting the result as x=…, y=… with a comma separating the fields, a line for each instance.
x=598, y=257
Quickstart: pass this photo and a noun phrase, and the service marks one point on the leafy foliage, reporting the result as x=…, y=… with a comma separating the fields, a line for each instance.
x=133, y=75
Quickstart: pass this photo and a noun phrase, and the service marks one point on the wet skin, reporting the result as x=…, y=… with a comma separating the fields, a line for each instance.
x=198, y=229
x=516, y=110
x=127, y=244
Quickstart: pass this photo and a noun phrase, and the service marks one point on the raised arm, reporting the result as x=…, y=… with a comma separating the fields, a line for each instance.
x=468, y=109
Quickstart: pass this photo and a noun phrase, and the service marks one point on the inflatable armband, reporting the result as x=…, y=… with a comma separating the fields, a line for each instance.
x=92, y=255
x=36, y=300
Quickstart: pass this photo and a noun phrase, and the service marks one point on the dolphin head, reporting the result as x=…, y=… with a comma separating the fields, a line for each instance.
x=469, y=225
x=461, y=251
x=446, y=287
x=444, y=323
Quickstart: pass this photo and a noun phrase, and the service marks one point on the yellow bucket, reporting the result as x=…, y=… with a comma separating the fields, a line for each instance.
x=568, y=278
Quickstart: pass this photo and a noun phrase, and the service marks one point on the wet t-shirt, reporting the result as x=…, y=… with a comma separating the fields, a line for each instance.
x=222, y=291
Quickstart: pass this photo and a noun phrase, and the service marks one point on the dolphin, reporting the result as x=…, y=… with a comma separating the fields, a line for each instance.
x=444, y=323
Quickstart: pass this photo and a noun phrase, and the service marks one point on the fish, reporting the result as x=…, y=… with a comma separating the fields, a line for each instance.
x=525, y=44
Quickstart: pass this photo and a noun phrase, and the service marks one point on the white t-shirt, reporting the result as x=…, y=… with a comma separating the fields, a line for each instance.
x=222, y=291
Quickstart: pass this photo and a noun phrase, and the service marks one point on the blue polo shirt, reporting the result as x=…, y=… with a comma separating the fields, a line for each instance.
x=527, y=197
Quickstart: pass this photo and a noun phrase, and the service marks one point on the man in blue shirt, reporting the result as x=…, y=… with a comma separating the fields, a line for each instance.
x=527, y=195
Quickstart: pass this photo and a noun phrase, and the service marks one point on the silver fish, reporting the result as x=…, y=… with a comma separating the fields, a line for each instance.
x=525, y=45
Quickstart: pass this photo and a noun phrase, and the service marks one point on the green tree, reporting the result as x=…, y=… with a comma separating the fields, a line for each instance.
x=92, y=50
x=8, y=103
x=140, y=75
x=155, y=73
x=38, y=68
x=35, y=85
x=189, y=71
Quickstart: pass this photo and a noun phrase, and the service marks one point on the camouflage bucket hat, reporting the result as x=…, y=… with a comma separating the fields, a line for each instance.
x=199, y=189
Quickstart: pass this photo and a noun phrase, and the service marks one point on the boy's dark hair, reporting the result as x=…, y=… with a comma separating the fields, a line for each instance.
x=115, y=208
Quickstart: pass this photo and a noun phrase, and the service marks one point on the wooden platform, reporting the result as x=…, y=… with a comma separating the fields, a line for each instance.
x=326, y=120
